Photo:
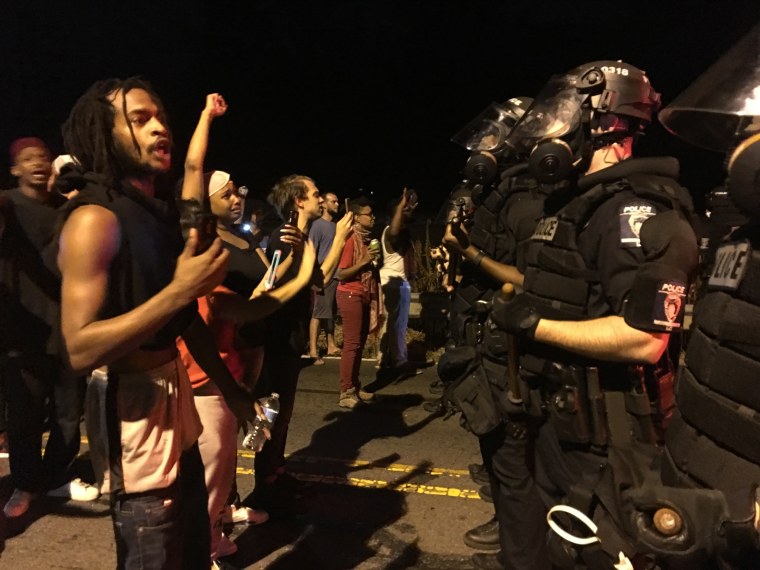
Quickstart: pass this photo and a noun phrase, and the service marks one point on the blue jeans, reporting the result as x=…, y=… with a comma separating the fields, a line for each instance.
x=165, y=529
x=397, y=296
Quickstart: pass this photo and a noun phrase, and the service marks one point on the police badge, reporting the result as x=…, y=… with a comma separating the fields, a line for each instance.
x=667, y=312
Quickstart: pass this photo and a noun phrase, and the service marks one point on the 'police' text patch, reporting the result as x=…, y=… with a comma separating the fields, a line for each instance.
x=669, y=304
x=632, y=216
x=730, y=265
x=545, y=229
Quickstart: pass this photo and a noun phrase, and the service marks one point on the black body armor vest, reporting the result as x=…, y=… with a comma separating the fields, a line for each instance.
x=504, y=218
x=715, y=440
x=559, y=281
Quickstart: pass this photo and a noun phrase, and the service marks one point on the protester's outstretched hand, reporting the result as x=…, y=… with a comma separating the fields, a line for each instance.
x=197, y=275
x=343, y=227
x=408, y=201
x=294, y=237
x=455, y=237
x=216, y=106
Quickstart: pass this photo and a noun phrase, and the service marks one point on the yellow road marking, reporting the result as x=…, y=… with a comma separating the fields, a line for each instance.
x=410, y=488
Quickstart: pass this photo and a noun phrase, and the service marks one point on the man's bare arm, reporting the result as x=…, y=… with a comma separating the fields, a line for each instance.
x=330, y=264
x=607, y=338
x=88, y=244
x=200, y=342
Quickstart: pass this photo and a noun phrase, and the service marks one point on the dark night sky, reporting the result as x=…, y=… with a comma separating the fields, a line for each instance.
x=352, y=93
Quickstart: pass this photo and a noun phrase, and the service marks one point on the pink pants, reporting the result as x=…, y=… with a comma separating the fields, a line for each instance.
x=218, y=447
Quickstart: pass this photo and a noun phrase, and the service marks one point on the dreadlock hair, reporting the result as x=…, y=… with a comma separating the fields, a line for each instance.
x=286, y=191
x=88, y=130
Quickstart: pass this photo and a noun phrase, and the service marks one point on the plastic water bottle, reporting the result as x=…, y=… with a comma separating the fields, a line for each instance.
x=255, y=438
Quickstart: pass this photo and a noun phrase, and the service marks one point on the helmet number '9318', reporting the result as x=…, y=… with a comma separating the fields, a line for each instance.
x=618, y=70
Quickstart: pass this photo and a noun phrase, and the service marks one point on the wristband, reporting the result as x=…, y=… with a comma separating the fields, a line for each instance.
x=479, y=258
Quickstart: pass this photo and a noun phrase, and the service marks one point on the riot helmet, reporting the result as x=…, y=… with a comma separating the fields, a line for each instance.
x=576, y=113
x=485, y=137
x=720, y=111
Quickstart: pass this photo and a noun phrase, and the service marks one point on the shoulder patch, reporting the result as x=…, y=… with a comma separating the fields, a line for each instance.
x=731, y=262
x=669, y=304
x=632, y=216
x=545, y=229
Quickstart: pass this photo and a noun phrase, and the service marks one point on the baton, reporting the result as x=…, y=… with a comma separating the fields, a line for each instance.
x=513, y=366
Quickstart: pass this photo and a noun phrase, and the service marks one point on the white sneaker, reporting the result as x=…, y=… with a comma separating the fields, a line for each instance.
x=225, y=547
x=76, y=490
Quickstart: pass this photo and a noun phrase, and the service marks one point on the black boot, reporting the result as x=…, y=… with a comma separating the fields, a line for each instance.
x=484, y=536
x=435, y=407
x=479, y=474
x=485, y=493
x=487, y=561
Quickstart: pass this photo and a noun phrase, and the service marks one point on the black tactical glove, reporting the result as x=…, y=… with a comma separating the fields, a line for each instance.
x=517, y=317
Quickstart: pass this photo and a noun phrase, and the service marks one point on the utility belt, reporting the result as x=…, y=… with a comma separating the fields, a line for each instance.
x=493, y=342
x=588, y=407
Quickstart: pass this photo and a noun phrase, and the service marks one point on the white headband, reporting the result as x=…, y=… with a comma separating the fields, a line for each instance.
x=219, y=179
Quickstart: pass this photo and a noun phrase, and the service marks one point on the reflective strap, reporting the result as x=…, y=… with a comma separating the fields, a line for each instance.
x=580, y=541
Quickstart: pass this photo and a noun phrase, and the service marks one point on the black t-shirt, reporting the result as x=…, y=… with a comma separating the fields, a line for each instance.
x=29, y=284
x=245, y=269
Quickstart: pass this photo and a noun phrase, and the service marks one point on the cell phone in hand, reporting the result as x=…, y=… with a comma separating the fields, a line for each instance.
x=411, y=197
x=346, y=203
x=206, y=226
x=293, y=218
x=272, y=276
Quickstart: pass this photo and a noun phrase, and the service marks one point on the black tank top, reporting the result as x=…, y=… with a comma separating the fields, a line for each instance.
x=151, y=241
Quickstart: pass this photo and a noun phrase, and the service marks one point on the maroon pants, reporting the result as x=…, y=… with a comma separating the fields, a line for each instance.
x=355, y=315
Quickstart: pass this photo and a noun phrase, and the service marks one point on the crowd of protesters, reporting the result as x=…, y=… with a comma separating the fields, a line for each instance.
x=173, y=317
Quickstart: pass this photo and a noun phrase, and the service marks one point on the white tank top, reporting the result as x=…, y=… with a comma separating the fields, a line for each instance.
x=393, y=263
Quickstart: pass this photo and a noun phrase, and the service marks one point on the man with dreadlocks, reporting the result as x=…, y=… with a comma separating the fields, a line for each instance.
x=128, y=291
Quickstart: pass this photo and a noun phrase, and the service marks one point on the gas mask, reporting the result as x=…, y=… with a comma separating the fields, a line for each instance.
x=485, y=138
x=558, y=134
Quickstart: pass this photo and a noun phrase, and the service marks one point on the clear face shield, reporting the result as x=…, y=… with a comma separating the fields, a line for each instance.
x=722, y=107
x=555, y=112
x=488, y=131
x=721, y=111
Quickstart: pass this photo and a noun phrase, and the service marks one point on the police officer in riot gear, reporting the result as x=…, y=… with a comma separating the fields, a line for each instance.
x=605, y=279
x=710, y=466
x=508, y=206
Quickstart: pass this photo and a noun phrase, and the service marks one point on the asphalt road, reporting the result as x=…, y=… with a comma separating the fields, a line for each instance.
x=382, y=486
